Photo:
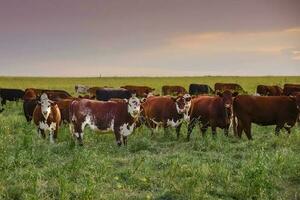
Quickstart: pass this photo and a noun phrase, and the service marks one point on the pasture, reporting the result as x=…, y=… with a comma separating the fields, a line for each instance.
x=159, y=167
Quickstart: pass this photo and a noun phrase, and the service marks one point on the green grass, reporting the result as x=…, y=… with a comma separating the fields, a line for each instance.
x=148, y=168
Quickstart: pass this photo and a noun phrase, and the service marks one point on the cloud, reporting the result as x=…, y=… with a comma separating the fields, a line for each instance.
x=272, y=42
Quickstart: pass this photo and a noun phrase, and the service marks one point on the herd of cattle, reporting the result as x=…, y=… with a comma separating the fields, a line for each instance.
x=121, y=110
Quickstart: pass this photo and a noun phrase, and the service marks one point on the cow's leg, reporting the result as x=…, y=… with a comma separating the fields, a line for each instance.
x=178, y=130
x=239, y=128
x=247, y=129
x=226, y=129
x=152, y=126
x=277, y=130
x=213, y=130
x=288, y=129
x=41, y=133
x=124, y=138
x=190, y=128
x=203, y=128
x=53, y=132
x=78, y=132
x=118, y=136
x=278, y=127
x=1, y=105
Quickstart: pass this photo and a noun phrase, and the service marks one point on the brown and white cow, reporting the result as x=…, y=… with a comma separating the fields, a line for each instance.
x=165, y=111
x=46, y=117
x=214, y=111
x=281, y=111
x=119, y=116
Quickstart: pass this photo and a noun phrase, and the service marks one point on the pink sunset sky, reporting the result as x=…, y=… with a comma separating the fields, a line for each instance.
x=149, y=37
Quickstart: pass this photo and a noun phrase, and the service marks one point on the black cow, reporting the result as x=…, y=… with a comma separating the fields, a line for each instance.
x=105, y=94
x=10, y=95
x=196, y=89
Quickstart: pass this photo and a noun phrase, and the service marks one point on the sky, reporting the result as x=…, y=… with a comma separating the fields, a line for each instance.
x=149, y=37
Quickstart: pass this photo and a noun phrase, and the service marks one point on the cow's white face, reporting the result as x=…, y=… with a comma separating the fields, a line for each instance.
x=134, y=106
x=183, y=104
x=45, y=106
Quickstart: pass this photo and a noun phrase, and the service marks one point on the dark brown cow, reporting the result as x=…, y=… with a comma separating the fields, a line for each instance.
x=28, y=108
x=289, y=89
x=267, y=90
x=173, y=90
x=30, y=94
x=140, y=91
x=118, y=116
x=46, y=117
x=233, y=87
x=58, y=95
x=92, y=90
x=64, y=107
x=214, y=111
x=165, y=111
x=281, y=111
x=33, y=93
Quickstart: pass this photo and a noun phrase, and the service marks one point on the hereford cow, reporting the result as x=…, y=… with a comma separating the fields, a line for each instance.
x=281, y=111
x=233, y=87
x=165, y=111
x=106, y=94
x=173, y=90
x=214, y=111
x=289, y=89
x=139, y=91
x=81, y=89
x=266, y=90
x=196, y=89
x=119, y=116
x=46, y=117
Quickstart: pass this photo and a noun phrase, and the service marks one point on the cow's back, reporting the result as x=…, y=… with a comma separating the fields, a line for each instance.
x=265, y=110
x=159, y=108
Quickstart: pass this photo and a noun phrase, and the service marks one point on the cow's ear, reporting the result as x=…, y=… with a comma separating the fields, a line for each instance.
x=235, y=94
x=38, y=102
x=126, y=100
x=219, y=94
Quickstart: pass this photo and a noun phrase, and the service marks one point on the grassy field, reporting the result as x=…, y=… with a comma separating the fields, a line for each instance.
x=161, y=167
